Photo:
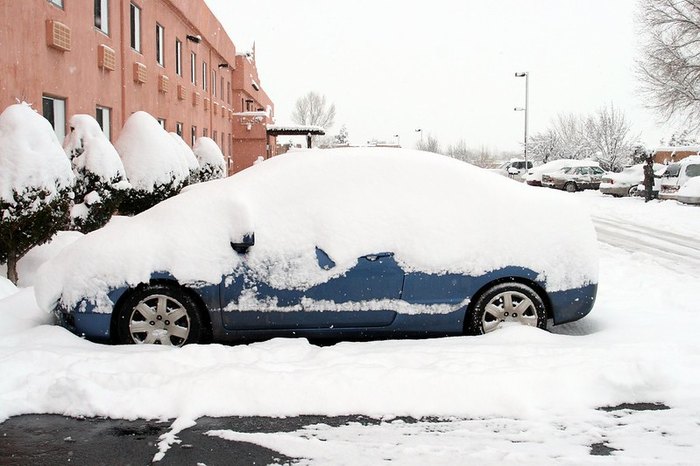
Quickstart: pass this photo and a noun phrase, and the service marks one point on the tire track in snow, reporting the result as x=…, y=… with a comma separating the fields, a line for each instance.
x=676, y=251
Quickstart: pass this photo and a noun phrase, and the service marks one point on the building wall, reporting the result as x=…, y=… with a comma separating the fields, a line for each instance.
x=30, y=68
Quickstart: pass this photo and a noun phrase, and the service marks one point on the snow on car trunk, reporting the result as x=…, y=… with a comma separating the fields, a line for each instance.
x=437, y=215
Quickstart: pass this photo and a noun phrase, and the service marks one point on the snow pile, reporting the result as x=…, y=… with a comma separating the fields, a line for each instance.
x=535, y=174
x=212, y=165
x=6, y=287
x=30, y=155
x=150, y=155
x=92, y=151
x=436, y=214
x=187, y=157
x=691, y=188
x=27, y=266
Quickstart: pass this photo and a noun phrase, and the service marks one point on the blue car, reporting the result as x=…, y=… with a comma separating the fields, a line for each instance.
x=299, y=246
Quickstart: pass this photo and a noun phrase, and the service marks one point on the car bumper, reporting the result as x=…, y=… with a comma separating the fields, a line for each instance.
x=91, y=325
x=571, y=305
x=688, y=199
x=614, y=190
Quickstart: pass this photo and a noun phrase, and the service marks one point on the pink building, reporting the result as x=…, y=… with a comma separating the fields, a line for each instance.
x=110, y=58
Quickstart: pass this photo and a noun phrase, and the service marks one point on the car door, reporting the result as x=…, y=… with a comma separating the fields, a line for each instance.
x=596, y=176
x=361, y=297
x=583, y=177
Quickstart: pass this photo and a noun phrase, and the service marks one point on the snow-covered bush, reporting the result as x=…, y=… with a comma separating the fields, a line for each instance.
x=212, y=165
x=35, y=184
x=153, y=163
x=188, y=159
x=100, y=179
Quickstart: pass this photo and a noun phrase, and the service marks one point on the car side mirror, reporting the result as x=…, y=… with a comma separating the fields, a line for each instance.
x=246, y=242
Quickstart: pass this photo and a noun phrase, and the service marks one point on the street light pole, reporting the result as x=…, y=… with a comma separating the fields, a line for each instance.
x=526, y=75
x=420, y=130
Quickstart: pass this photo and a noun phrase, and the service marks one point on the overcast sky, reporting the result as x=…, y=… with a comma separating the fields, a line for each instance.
x=445, y=66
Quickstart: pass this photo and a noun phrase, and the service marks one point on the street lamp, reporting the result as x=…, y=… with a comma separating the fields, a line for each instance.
x=398, y=140
x=525, y=75
x=419, y=130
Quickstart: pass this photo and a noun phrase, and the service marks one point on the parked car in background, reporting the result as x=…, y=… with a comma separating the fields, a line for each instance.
x=574, y=179
x=534, y=175
x=627, y=182
x=514, y=168
x=296, y=247
x=689, y=193
x=677, y=174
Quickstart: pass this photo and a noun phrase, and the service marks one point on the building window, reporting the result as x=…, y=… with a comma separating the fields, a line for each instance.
x=214, y=136
x=57, y=2
x=193, y=67
x=178, y=128
x=103, y=117
x=204, y=75
x=222, y=91
x=159, y=45
x=161, y=122
x=213, y=82
x=205, y=132
x=55, y=111
x=135, y=28
x=178, y=57
x=230, y=144
x=228, y=92
x=193, y=136
x=102, y=15
x=223, y=145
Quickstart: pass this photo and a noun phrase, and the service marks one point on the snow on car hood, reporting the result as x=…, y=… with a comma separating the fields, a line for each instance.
x=437, y=215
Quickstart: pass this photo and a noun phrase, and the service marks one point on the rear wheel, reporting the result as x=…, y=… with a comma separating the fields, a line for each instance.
x=632, y=192
x=570, y=187
x=160, y=314
x=507, y=302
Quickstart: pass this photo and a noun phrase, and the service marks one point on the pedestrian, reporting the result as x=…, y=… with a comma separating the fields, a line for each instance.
x=648, y=178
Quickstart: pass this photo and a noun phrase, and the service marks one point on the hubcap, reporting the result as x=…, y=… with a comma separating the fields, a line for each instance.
x=509, y=306
x=159, y=319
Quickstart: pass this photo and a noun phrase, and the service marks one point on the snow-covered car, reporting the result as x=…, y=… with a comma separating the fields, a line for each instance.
x=534, y=175
x=514, y=168
x=574, y=179
x=344, y=243
x=677, y=174
x=689, y=193
x=626, y=183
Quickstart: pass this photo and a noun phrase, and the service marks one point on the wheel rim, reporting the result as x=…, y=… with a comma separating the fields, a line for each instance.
x=159, y=319
x=570, y=187
x=509, y=306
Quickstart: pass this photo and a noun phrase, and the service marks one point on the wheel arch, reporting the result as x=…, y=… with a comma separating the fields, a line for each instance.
x=536, y=287
x=202, y=308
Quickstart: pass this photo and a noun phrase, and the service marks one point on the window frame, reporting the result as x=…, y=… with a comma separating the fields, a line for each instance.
x=193, y=135
x=135, y=27
x=106, y=111
x=160, y=45
x=193, y=68
x=178, y=57
x=103, y=27
x=57, y=3
x=205, y=72
x=61, y=135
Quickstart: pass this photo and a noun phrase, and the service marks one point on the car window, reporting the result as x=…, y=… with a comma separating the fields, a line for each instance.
x=692, y=170
x=566, y=170
x=673, y=170
x=597, y=171
x=583, y=171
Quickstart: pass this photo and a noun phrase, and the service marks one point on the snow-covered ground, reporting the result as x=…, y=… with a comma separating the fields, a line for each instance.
x=517, y=396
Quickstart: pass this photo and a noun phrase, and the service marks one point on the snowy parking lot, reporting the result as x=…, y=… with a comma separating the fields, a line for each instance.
x=625, y=380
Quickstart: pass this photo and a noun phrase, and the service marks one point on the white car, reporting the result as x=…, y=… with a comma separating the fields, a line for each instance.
x=514, y=168
x=690, y=192
x=534, y=175
x=629, y=180
x=677, y=174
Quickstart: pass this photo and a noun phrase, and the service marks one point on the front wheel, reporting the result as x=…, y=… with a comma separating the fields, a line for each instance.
x=570, y=187
x=159, y=314
x=507, y=302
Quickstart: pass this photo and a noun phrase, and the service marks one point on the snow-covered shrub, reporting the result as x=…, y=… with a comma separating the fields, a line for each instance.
x=35, y=184
x=212, y=165
x=100, y=179
x=188, y=158
x=153, y=163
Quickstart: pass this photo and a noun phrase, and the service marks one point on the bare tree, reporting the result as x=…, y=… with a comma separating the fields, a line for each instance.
x=669, y=68
x=312, y=109
x=460, y=151
x=430, y=144
x=607, y=135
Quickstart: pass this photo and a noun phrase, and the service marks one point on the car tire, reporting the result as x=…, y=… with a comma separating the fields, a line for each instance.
x=570, y=187
x=162, y=314
x=632, y=191
x=507, y=302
